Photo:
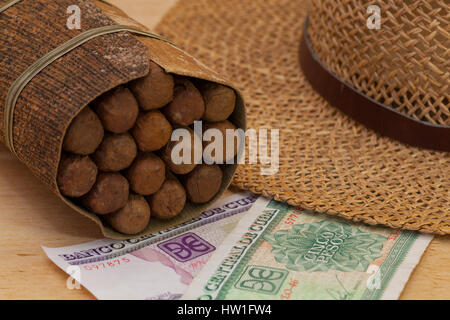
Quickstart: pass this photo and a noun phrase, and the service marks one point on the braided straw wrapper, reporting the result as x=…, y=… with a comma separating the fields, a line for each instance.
x=47, y=105
x=328, y=162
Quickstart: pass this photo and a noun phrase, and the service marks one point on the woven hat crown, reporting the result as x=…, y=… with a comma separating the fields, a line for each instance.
x=403, y=64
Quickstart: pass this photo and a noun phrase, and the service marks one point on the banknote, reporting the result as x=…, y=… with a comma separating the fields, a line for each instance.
x=156, y=267
x=281, y=252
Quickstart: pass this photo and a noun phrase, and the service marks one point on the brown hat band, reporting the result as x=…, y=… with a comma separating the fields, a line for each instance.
x=366, y=110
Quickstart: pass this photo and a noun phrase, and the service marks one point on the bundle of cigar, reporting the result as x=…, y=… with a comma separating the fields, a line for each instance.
x=116, y=159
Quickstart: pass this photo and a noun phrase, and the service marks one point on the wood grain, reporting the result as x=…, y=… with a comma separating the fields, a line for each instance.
x=32, y=216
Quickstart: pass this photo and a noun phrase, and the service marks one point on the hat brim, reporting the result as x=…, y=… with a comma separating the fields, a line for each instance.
x=328, y=162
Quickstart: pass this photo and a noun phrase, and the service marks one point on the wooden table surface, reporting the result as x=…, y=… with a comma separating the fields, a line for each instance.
x=31, y=216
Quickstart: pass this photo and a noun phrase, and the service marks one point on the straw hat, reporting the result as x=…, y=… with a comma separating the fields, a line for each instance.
x=382, y=168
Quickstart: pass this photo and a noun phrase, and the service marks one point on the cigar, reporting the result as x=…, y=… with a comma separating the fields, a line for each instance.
x=203, y=183
x=117, y=110
x=222, y=126
x=147, y=174
x=122, y=134
x=187, y=105
x=152, y=131
x=182, y=168
x=109, y=193
x=132, y=218
x=219, y=101
x=84, y=134
x=155, y=90
x=168, y=201
x=116, y=152
x=76, y=175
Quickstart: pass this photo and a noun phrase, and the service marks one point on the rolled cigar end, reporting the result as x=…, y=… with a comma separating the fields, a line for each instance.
x=146, y=174
x=116, y=152
x=152, y=131
x=109, y=193
x=117, y=109
x=187, y=105
x=168, y=201
x=203, y=183
x=155, y=90
x=132, y=218
x=219, y=101
x=181, y=168
x=222, y=126
x=76, y=175
x=85, y=133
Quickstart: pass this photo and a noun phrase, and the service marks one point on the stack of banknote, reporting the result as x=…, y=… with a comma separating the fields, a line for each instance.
x=245, y=247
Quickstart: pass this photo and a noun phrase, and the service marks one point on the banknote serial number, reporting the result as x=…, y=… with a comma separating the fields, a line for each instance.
x=106, y=264
x=292, y=217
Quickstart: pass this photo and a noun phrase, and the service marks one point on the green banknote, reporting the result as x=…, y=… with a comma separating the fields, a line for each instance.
x=281, y=252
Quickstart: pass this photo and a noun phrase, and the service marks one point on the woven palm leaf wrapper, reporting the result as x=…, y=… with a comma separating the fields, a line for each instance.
x=329, y=162
x=47, y=105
